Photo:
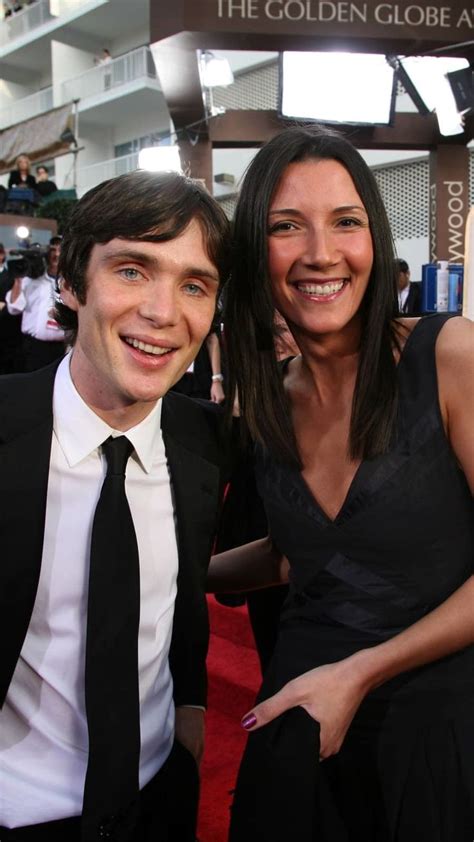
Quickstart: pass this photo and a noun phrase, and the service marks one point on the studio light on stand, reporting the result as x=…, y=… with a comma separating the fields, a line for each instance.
x=215, y=72
x=160, y=159
x=462, y=86
x=315, y=86
x=425, y=79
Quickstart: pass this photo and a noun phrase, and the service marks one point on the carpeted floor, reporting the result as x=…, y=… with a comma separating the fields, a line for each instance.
x=234, y=677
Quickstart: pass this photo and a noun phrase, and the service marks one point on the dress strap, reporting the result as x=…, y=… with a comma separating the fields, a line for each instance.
x=417, y=374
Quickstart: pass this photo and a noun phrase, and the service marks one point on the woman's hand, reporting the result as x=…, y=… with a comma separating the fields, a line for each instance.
x=331, y=694
x=217, y=392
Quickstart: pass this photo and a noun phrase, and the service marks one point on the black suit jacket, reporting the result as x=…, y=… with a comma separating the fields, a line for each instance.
x=192, y=441
x=412, y=306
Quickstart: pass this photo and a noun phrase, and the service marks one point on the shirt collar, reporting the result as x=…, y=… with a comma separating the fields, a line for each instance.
x=80, y=431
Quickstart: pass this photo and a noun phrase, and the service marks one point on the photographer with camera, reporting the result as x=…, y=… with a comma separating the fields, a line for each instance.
x=11, y=356
x=32, y=297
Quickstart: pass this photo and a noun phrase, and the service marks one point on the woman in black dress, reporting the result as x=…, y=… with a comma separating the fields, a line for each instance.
x=364, y=457
x=21, y=176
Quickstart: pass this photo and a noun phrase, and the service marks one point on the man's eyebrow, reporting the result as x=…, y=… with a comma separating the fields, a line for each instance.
x=150, y=260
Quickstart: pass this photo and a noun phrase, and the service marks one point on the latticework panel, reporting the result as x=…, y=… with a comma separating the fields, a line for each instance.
x=405, y=192
x=255, y=89
x=228, y=204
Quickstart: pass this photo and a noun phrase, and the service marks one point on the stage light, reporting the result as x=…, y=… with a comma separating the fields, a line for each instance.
x=425, y=79
x=462, y=86
x=215, y=72
x=336, y=87
x=160, y=159
x=22, y=232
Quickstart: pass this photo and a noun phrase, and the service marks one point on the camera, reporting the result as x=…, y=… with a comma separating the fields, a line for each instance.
x=29, y=262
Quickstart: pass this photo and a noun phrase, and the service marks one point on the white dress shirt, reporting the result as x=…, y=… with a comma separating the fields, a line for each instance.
x=402, y=297
x=34, y=304
x=43, y=728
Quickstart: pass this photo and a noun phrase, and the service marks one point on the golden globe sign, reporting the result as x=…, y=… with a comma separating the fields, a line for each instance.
x=342, y=12
x=399, y=21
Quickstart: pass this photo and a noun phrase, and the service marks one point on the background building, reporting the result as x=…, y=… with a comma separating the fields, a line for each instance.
x=52, y=54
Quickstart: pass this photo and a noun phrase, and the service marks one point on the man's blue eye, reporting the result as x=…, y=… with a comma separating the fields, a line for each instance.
x=130, y=274
x=194, y=289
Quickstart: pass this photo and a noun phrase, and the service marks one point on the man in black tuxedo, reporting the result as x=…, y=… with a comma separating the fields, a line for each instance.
x=140, y=270
x=409, y=294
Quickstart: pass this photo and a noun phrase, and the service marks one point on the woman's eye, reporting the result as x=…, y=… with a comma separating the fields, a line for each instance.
x=281, y=226
x=350, y=222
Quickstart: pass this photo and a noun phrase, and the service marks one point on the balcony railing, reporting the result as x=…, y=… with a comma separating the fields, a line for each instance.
x=28, y=106
x=21, y=23
x=130, y=67
x=88, y=177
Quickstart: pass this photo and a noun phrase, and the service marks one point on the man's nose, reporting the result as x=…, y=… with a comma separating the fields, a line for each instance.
x=161, y=305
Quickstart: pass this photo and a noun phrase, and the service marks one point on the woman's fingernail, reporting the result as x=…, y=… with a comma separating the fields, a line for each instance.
x=249, y=721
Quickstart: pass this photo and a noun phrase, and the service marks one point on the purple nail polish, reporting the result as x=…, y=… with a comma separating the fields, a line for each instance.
x=249, y=721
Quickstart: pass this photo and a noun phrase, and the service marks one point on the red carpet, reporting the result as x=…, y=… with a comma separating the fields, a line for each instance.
x=234, y=678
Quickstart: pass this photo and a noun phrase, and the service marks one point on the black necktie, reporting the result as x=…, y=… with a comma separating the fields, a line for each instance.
x=111, y=790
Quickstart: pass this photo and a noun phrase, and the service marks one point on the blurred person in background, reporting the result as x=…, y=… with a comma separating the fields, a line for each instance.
x=32, y=298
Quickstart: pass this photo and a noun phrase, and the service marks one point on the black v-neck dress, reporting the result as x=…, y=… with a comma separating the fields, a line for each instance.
x=401, y=544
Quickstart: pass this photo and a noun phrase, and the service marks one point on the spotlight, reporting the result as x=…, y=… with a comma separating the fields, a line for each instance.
x=425, y=80
x=160, y=159
x=22, y=232
x=215, y=72
x=339, y=87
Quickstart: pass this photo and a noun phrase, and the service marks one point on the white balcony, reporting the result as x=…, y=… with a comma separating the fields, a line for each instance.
x=38, y=19
x=21, y=23
x=26, y=107
x=111, y=79
x=88, y=177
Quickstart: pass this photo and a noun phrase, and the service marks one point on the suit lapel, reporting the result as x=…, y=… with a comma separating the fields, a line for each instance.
x=25, y=445
x=193, y=459
x=191, y=441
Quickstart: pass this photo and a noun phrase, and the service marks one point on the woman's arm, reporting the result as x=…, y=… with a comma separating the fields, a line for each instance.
x=332, y=693
x=217, y=393
x=247, y=568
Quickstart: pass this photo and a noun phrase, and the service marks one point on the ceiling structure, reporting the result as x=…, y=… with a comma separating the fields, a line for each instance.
x=179, y=28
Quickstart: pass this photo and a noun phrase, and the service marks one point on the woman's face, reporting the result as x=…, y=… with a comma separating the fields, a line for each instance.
x=320, y=251
x=23, y=163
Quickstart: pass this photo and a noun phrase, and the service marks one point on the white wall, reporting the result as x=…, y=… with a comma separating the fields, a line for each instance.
x=10, y=91
x=156, y=121
x=66, y=62
x=128, y=41
x=415, y=251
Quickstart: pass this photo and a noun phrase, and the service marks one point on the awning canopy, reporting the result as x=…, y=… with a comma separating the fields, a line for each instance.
x=41, y=137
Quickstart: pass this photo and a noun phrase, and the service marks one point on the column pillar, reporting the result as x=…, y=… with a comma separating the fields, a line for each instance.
x=196, y=159
x=449, y=202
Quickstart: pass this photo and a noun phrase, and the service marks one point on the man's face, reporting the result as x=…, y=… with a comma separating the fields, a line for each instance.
x=148, y=308
x=2, y=257
x=41, y=174
x=53, y=257
x=403, y=280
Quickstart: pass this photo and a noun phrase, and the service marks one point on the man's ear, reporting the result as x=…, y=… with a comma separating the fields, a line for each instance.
x=68, y=297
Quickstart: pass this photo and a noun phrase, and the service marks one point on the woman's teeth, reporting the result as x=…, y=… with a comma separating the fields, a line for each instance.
x=321, y=289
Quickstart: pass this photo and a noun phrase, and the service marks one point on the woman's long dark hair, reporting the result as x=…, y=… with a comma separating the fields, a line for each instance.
x=249, y=313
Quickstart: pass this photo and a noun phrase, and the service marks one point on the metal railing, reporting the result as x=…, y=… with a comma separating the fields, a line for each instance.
x=88, y=177
x=21, y=23
x=26, y=107
x=135, y=65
